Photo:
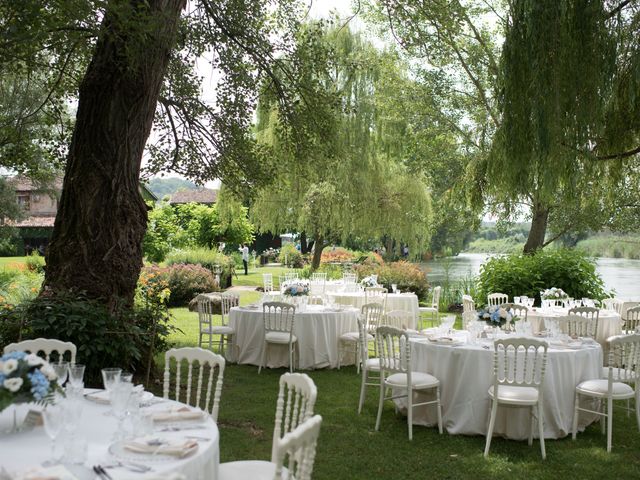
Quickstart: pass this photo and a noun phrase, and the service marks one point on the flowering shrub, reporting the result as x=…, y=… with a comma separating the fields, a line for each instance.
x=25, y=378
x=290, y=256
x=35, y=263
x=295, y=288
x=337, y=255
x=183, y=281
x=208, y=259
x=370, y=258
x=407, y=276
x=553, y=293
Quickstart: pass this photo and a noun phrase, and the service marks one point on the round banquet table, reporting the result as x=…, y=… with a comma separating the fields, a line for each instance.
x=407, y=302
x=317, y=329
x=609, y=321
x=466, y=373
x=25, y=450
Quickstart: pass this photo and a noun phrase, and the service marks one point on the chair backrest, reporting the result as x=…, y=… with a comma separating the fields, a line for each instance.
x=624, y=357
x=227, y=301
x=614, y=304
x=349, y=277
x=319, y=277
x=519, y=361
x=205, y=312
x=267, y=282
x=299, y=446
x=46, y=346
x=587, y=312
x=205, y=359
x=376, y=295
x=278, y=317
x=371, y=315
x=468, y=318
x=494, y=299
x=315, y=300
x=435, y=299
x=633, y=319
x=468, y=305
x=291, y=276
x=296, y=401
x=318, y=283
x=394, y=350
x=398, y=318
x=517, y=310
x=579, y=326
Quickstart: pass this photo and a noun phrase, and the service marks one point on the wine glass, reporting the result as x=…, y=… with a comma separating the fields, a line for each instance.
x=120, y=395
x=76, y=374
x=126, y=377
x=62, y=370
x=394, y=288
x=110, y=376
x=53, y=421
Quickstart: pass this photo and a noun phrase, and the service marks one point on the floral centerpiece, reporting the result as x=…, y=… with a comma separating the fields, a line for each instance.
x=370, y=281
x=25, y=378
x=295, y=288
x=496, y=316
x=553, y=294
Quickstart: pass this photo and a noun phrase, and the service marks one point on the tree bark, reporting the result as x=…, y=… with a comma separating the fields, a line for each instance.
x=96, y=245
x=539, y=222
x=304, y=248
x=317, y=252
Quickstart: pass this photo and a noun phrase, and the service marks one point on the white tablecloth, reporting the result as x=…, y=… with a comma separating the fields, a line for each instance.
x=407, y=302
x=316, y=328
x=23, y=450
x=609, y=322
x=466, y=373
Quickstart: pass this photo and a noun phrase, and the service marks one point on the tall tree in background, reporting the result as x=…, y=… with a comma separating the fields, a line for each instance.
x=355, y=183
x=132, y=64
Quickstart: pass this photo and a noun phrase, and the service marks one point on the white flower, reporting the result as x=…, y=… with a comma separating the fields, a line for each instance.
x=33, y=360
x=48, y=371
x=13, y=384
x=10, y=366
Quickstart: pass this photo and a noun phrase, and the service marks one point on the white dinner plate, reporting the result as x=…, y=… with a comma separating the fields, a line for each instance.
x=446, y=341
x=102, y=397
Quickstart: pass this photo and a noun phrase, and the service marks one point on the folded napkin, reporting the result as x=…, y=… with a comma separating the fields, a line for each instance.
x=102, y=396
x=176, y=448
x=58, y=472
x=177, y=414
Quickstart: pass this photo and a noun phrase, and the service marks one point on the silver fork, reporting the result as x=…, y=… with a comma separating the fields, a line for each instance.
x=132, y=467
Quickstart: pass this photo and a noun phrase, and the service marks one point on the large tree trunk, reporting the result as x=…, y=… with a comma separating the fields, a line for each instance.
x=318, y=246
x=96, y=245
x=539, y=221
x=304, y=247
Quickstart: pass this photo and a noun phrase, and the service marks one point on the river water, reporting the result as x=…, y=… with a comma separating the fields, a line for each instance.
x=619, y=274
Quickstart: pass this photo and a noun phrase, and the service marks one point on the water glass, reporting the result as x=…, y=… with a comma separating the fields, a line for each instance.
x=76, y=374
x=394, y=288
x=110, y=376
x=119, y=396
x=53, y=420
x=126, y=377
x=517, y=300
x=62, y=369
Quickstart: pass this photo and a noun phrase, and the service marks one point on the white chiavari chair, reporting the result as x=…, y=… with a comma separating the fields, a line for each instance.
x=370, y=314
x=632, y=322
x=267, y=282
x=518, y=372
x=496, y=299
x=579, y=326
x=278, y=320
x=433, y=309
x=46, y=346
x=204, y=358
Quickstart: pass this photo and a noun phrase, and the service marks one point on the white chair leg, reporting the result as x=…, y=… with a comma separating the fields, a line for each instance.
x=357, y=357
x=339, y=352
x=410, y=411
x=531, y=426
x=609, y=422
x=362, y=389
x=380, y=403
x=638, y=407
x=574, y=427
x=439, y=405
x=264, y=356
x=221, y=345
x=541, y=431
x=492, y=421
x=290, y=358
x=603, y=420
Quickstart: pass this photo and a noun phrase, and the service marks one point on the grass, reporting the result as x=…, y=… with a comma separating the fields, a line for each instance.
x=350, y=448
x=12, y=262
x=255, y=275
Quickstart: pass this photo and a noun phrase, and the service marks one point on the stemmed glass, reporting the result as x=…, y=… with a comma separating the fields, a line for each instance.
x=110, y=376
x=53, y=420
x=120, y=396
x=62, y=370
x=76, y=374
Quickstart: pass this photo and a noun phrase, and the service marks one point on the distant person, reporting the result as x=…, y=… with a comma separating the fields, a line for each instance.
x=405, y=251
x=245, y=258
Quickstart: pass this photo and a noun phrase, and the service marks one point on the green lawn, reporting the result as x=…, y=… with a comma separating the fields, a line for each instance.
x=8, y=262
x=255, y=275
x=349, y=448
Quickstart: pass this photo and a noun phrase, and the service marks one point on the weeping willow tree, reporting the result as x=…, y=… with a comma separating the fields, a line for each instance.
x=570, y=101
x=347, y=180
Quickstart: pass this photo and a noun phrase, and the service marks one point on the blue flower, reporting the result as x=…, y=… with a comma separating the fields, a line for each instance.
x=39, y=384
x=13, y=355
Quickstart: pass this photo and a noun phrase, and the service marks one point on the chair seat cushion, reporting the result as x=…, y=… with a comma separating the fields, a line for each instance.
x=373, y=364
x=354, y=336
x=428, y=309
x=515, y=395
x=627, y=375
x=219, y=330
x=600, y=387
x=419, y=380
x=249, y=470
x=279, y=337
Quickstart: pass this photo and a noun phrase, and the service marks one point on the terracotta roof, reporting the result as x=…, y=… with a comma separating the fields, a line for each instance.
x=206, y=196
x=34, y=221
x=22, y=184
